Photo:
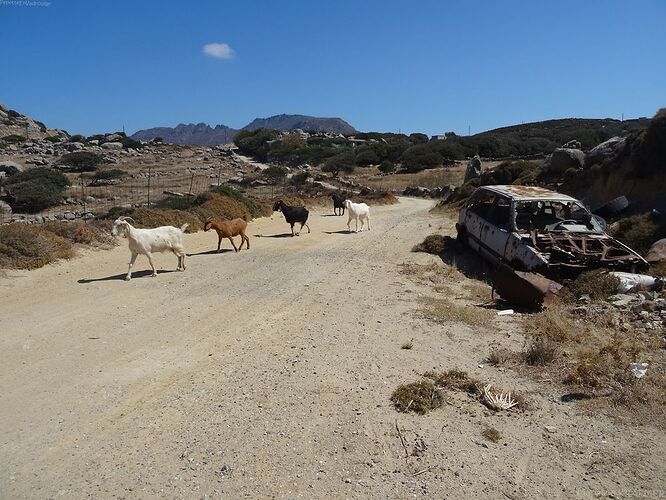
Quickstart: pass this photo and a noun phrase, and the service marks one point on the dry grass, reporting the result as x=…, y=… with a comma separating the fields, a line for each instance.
x=31, y=246
x=154, y=217
x=445, y=311
x=598, y=284
x=430, y=178
x=94, y=233
x=499, y=356
x=541, y=351
x=492, y=434
x=606, y=366
x=419, y=397
x=554, y=322
x=435, y=244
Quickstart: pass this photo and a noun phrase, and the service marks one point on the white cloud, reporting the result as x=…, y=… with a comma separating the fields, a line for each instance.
x=219, y=50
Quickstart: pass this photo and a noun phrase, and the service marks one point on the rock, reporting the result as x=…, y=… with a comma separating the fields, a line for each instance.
x=563, y=159
x=620, y=299
x=88, y=216
x=574, y=144
x=74, y=146
x=473, y=170
x=657, y=252
x=39, y=219
x=5, y=211
x=606, y=149
x=550, y=429
x=68, y=216
x=113, y=138
x=11, y=167
x=113, y=146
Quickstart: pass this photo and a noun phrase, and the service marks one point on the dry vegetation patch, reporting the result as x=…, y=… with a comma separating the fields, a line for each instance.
x=419, y=397
x=31, y=246
x=445, y=311
x=492, y=434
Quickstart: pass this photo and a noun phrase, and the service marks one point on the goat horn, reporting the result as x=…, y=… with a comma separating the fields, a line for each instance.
x=127, y=217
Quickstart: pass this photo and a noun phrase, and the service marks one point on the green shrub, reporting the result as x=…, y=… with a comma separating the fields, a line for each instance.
x=342, y=162
x=13, y=138
x=598, y=284
x=114, y=173
x=255, y=142
x=81, y=161
x=386, y=167
x=420, y=157
x=36, y=189
x=639, y=232
x=128, y=142
x=179, y=202
x=274, y=173
x=300, y=178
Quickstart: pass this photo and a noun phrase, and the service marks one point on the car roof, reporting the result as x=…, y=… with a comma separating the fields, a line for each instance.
x=528, y=193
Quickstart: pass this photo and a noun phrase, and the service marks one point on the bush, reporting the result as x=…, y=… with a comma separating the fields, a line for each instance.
x=257, y=208
x=598, y=284
x=152, y=217
x=179, y=202
x=13, y=138
x=93, y=233
x=81, y=161
x=541, y=351
x=255, y=143
x=36, y=189
x=342, y=162
x=157, y=140
x=128, y=142
x=31, y=246
x=76, y=138
x=300, y=178
x=114, y=173
x=419, y=397
x=366, y=156
x=639, y=232
x=386, y=167
x=222, y=207
x=420, y=157
x=274, y=174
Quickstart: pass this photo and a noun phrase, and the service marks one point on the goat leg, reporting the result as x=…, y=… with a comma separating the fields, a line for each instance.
x=129, y=269
x=233, y=244
x=150, y=260
x=219, y=241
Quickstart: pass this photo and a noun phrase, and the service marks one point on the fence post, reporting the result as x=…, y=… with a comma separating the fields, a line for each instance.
x=149, y=171
x=219, y=173
x=191, y=182
x=83, y=199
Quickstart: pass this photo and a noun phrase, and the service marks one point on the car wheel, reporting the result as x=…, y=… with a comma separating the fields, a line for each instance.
x=462, y=234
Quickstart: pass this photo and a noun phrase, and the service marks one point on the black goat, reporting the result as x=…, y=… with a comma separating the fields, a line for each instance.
x=338, y=203
x=293, y=215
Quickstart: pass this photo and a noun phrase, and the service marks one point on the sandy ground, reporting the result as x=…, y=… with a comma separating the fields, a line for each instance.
x=268, y=373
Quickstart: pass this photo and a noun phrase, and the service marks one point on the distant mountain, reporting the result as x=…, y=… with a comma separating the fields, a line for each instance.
x=205, y=135
x=286, y=123
x=200, y=134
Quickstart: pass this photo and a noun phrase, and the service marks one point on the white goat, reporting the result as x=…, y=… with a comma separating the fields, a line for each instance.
x=147, y=241
x=357, y=211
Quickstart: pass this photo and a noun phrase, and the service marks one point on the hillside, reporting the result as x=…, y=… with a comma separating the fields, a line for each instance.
x=192, y=134
x=286, y=123
x=14, y=125
x=543, y=137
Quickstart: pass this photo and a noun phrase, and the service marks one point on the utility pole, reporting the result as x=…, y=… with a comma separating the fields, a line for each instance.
x=622, y=116
x=469, y=130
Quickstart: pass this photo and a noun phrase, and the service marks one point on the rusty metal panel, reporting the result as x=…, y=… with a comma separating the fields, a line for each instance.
x=531, y=290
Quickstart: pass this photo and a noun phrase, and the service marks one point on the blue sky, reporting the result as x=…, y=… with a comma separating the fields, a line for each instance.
x=429, y=66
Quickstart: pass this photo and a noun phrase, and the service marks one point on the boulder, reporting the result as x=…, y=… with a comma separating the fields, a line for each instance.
x=606, y=149
x=113, y=138
x=562, y=159
x=113, y=146
x=10, y=167
x=574, y=144
x=5, y=211
x=657, y=252
x=473, y=170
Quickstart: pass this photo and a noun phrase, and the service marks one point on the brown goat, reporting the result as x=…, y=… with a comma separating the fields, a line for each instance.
x=229, y=229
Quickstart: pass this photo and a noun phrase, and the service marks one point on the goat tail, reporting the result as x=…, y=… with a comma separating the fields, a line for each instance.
x=184, y=227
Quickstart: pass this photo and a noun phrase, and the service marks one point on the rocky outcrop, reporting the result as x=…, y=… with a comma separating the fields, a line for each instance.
x=562, y=159
x=10, y=167
x=473, y=170
x=606, y=149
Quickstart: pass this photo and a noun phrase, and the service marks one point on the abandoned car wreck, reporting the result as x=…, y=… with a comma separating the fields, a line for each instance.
x=534, y=229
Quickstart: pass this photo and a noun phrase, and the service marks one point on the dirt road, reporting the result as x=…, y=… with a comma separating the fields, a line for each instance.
x=267, y=373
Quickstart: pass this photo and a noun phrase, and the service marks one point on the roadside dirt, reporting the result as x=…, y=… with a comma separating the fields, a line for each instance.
x=268, y=373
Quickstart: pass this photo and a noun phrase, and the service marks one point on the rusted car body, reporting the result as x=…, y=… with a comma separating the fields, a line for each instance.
x=534, y=229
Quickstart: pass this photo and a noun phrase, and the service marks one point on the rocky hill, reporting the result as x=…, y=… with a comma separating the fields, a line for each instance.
x=192, y=134
x=286, y=123
x=15, y=127
x=204, y=135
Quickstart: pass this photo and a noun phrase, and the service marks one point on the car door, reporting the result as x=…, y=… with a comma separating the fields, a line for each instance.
x=477, y=210
x=496, y=229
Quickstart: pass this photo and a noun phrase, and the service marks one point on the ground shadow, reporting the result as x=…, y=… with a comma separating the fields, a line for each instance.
x=121, y=277
x=465, y=260
x=342, y=231
x=210, y=252
x=283, y=235
x=331, y=215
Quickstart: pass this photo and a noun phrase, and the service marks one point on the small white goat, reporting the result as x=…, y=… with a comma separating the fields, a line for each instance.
x=357, y=211
x=147, y=241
